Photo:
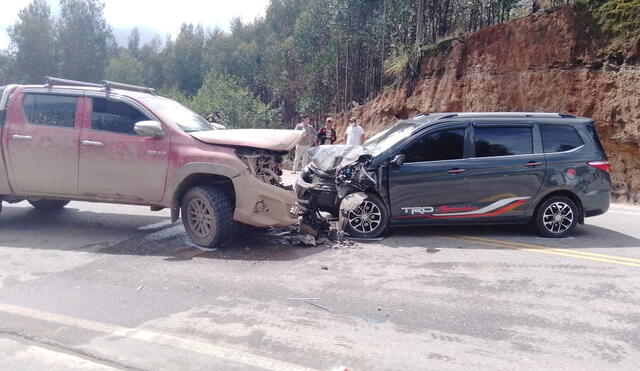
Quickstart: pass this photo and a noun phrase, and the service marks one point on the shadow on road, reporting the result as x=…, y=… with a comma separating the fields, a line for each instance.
x=71, y=229
x=584, y=236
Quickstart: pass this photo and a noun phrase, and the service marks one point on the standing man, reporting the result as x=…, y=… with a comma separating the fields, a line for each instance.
x=303, y=146
x=327, y=132
x=355, y=133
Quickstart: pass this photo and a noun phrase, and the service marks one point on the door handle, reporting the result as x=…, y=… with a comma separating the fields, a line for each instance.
x=22, y=137
x=456, y=171
x=92, y=143
x=533, y=164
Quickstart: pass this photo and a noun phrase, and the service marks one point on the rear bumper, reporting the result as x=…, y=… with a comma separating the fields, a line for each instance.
x=263, y=205
x=596, y=202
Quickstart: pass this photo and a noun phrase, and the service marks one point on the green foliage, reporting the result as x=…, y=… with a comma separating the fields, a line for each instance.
x=187, y=56
x=236, y=104
x=303, y=56
x=617, y=18
x=125, y=68
x=396, y=65
x=133, y=43
x=82, y=39
x=32, y=43
x=6, y=69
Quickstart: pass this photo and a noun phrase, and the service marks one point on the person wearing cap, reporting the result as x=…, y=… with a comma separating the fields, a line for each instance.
x=303, y=146
x=327, y=132
x=355, y=133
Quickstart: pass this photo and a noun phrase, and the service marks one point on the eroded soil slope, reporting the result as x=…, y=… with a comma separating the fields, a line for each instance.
x=544, y=62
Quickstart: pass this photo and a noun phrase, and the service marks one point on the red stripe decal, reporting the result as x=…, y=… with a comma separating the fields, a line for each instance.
x=447, y=209
x=492, y=213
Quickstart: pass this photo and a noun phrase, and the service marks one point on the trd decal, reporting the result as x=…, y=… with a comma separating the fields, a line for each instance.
x=494, y=209
x=418, y=210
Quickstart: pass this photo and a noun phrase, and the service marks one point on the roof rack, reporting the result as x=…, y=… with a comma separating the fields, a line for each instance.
x=508, y=114
x=118, y=85
x=107, y=85
x=50, y=81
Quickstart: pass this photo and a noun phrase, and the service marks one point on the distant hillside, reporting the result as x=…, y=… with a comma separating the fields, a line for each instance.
x=556, y=62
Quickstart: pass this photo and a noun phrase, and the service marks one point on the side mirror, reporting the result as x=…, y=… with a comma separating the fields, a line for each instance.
x=149, y=128
x=398, y=160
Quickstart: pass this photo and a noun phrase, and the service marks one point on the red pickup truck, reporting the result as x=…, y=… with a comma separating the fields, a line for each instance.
x=118, y=143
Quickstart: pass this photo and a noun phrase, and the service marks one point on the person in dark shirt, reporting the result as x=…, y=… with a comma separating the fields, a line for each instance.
x=327, y=132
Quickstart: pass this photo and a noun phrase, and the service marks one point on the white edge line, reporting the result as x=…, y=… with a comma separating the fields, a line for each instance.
x=180, y=343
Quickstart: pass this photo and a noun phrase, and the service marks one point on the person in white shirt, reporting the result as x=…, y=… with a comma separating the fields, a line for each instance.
x=355, y=133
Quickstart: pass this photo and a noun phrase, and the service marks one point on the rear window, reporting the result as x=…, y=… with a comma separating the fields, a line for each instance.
x=3, y=112
x=559, y=138
x=503, y=141
x=591, y=129
x=51, y=110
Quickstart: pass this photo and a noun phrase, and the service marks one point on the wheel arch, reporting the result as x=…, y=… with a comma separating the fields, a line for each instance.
x=566, y=193
x=196, y=174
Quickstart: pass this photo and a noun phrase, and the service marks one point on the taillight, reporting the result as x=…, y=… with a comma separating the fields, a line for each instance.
x=600, y=165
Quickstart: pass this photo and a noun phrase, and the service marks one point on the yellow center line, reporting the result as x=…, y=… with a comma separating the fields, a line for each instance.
x=569, y=251
x=632, y=262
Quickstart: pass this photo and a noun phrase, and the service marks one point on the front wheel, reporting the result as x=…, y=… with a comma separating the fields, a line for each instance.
x=48, y=204
x=556, y=217
x=369, y=220
x=207, y=216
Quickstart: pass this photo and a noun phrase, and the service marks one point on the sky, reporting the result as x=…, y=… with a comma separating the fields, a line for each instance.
x=151, y=16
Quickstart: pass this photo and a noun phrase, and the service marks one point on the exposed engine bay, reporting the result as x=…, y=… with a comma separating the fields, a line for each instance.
x=336, y=181
x=334, y=172
x=263, y=164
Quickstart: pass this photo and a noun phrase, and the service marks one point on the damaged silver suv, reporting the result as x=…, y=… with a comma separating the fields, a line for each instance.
x=546, y=169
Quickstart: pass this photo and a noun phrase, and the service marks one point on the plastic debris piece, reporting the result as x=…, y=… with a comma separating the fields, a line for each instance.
x=369, y=319
x=319, y=306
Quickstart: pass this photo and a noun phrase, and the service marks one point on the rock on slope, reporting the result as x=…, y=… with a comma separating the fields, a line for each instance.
x=543, y=62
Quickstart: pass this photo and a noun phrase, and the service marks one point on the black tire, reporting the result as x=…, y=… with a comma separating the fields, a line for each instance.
x=359, y=227
x=556, y=217
x=48, y=204
x=218, y=227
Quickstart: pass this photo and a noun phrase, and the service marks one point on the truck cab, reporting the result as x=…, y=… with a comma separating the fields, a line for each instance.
x=118, y=143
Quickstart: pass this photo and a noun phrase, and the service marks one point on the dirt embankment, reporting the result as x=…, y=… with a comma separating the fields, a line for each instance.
x=545, y=62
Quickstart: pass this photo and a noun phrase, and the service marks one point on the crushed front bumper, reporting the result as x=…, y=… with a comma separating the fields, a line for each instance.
x=262, y=205
x=316, y=195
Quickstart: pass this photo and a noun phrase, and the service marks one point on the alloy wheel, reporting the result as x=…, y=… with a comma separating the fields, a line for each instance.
x=365, y=218
x=557, y=217
x=200, y=217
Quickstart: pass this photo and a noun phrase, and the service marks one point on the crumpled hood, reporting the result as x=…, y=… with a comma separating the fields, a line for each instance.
x=270, y=139
x=331, y=157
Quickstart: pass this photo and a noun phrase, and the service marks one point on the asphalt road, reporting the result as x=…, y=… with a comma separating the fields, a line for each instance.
x=102, y=287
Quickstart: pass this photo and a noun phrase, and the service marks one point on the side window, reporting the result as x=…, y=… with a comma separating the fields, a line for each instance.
x=115, y=116
x=48, y=109
x=3, y=111
x=503, y=141
x=441, y=145
x=557, y=138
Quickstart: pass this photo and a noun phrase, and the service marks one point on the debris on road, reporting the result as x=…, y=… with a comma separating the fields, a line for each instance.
x=314, y=224
x=370, y=320
x=139, y=288
x=319, y=306
x=303, y=298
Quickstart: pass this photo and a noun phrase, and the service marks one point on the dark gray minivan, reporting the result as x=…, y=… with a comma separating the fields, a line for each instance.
x=547, y=169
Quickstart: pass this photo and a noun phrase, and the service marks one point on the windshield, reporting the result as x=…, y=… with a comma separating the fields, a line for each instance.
x=386, y=139
x=173, y=111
